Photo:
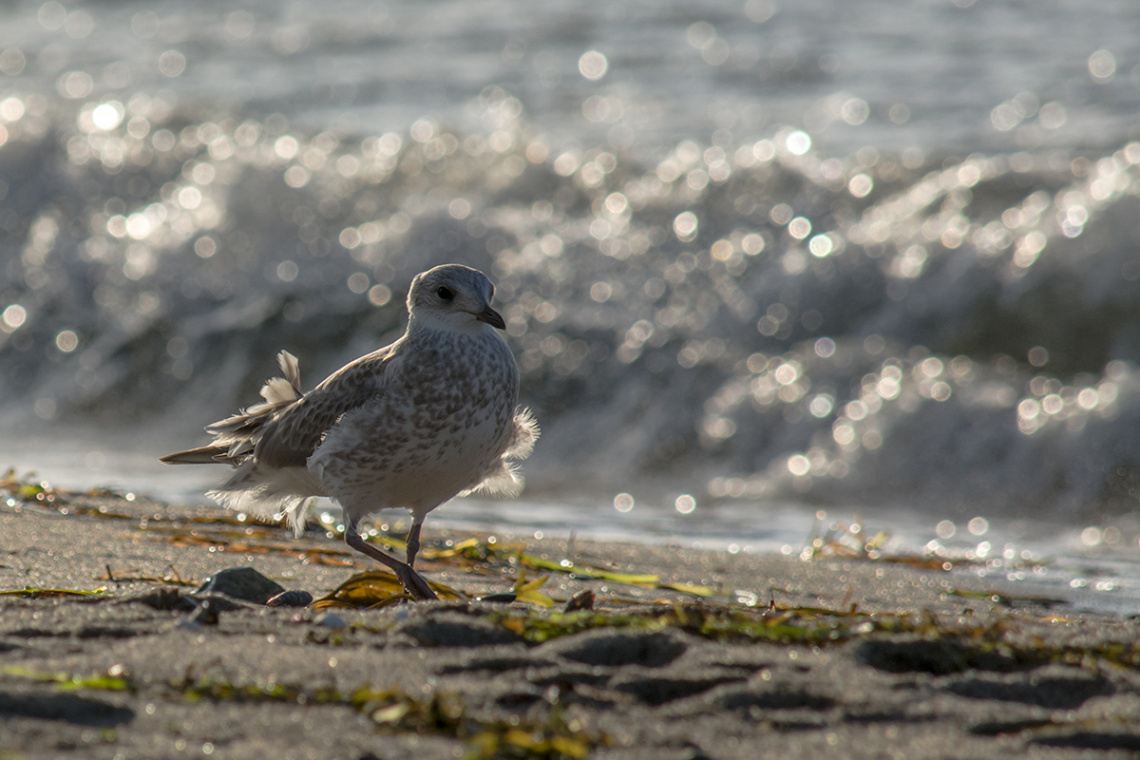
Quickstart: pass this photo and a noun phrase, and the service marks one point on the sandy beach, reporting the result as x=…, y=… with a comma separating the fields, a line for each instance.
x=107, y=651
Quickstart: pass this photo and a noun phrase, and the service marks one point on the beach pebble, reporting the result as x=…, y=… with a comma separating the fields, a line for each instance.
x=331, y=620
x=583, y=600
x=243, y=583
x=290, y=599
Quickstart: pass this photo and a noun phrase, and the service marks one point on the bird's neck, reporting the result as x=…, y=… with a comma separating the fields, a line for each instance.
x=457, y=323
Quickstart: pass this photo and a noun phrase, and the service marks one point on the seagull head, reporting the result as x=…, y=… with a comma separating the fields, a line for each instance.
x=454, y=295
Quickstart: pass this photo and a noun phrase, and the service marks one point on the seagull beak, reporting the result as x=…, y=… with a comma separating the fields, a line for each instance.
x=491, y=317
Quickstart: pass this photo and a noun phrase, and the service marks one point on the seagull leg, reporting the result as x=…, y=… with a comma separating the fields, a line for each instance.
x=413, y=541
x=414, y=584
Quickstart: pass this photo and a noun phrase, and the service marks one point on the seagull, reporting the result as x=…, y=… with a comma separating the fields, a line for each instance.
x=429, y=417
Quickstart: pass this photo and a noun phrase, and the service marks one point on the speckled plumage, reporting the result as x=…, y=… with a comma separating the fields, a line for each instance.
x=411, y=425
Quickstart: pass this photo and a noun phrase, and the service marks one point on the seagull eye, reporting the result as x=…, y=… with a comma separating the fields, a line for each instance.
x=445, y=293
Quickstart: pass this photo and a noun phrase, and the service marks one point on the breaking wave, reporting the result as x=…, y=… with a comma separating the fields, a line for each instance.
x=732, y=321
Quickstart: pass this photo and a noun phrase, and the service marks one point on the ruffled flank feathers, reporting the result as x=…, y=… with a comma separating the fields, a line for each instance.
x=504, y=478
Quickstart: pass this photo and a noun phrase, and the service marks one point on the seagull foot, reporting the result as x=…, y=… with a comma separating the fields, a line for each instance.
x=414, y=584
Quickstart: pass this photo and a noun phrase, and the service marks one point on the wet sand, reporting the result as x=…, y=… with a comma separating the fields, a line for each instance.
x=839, y=658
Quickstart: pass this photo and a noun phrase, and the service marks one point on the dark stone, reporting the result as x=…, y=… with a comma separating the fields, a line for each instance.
x=290, y=599
x=243, y=583
x=583, y=600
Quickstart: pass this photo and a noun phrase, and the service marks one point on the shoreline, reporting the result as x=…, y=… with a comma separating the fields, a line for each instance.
x=1106, y=574
x=718, y=656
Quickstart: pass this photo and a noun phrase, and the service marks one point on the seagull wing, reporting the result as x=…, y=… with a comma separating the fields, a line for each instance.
x=294, y=432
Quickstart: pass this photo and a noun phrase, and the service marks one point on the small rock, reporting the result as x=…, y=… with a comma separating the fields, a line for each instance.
x=583, y=600
x=243, y=583
x=290, y=599
x=331, y=620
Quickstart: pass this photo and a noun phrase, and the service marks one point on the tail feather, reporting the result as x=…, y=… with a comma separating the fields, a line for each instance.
x=235, y=437
x=291, y=368
x=240, y=432
x=203, y=455
x=263, y=492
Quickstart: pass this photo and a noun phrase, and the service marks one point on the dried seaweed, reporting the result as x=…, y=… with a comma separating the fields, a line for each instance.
x=643, y=580
x=254, y=540
x=53, y=593
x=26, y=488
x=375, y=589
x=471, y=555
x=169, y=578
x=113, y=680
x=528, y=590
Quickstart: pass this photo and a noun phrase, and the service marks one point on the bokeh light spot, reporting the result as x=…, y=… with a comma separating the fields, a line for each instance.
x=13, y=317
x=67, y=341
x=1102, y=66
x=358, y=282
x=593, y=65
x=379, y=295
x=685, y=504
x=685, y=226
x=171, y=63
x=287, y=271
x=623, y=502
x=108, y=116
x=798, y=143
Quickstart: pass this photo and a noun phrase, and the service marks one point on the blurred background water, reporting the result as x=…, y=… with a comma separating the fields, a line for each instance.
x=758, y=258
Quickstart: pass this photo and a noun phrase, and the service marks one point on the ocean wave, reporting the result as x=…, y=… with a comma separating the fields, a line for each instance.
x=735, y=320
